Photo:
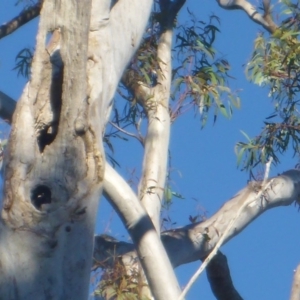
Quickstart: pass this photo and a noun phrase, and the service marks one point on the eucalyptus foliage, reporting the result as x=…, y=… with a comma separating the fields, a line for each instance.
x=275, y=65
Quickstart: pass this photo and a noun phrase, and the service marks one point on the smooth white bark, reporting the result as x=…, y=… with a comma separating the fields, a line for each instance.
x=116, y=30
x=152, y=184
x=264, y=20
x=196, y=241
x=155, y=101
x=153, y=257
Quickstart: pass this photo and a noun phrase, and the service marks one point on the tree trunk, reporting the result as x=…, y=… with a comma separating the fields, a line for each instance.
x=54, y=163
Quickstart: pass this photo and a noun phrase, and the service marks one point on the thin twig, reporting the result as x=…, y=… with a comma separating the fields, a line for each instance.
x=138, y=137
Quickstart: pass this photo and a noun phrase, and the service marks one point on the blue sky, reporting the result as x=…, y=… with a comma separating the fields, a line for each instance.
x=262, y=258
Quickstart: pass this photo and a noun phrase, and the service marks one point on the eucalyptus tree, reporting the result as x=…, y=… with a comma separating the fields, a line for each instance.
x=55, y=168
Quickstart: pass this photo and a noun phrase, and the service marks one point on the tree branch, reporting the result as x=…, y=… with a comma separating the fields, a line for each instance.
x=107, y=249
x=7, y=107
x=260, y=190
x=264, y=20
x=154, y=258
x=196, y=241
x=24, y=17
x=138, y=137
x=218, y=275
x=152, y=184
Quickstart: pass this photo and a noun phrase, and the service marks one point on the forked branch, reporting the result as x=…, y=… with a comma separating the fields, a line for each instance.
x=196, y=241
x=264, y=20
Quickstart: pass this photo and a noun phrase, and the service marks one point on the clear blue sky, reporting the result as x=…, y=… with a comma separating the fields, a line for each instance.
x=262, y=258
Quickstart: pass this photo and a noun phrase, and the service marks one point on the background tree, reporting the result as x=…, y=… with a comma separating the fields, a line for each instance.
x=148, y=80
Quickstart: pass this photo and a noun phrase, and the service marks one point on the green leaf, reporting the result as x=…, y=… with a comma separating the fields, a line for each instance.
x=223, y=111
x=177, y=195
x=271, y=116
x=245, y=135
x=240, y=154
x=236, y=101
